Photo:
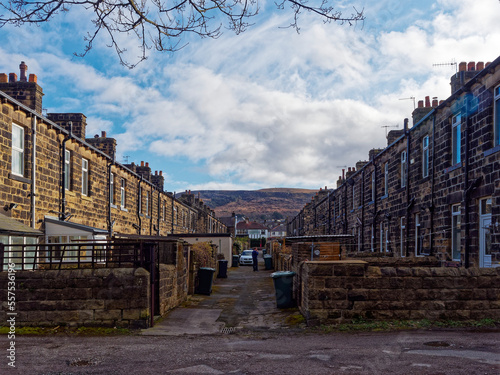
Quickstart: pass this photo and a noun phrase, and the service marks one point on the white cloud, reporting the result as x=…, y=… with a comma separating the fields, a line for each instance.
x=272, y=107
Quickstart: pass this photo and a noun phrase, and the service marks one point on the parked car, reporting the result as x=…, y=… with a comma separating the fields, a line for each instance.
x=246, y=257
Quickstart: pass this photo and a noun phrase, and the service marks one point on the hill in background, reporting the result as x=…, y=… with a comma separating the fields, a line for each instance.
x=257, y=204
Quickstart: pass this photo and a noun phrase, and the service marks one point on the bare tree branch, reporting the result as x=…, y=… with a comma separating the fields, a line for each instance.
x=161, y=24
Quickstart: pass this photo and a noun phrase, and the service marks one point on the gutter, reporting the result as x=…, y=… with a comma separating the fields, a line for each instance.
x=33, y=173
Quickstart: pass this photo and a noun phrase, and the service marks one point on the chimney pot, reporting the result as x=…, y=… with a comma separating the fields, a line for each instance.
x=23, y=68
x=480, y=65
x=434, y=102
x=420, y=104
x=12, y=77
x=471, y=66
x=103, y=134
x=96, y=136
x=161, y=173
x=441, y=102
x=33, y=78
x=488, y=63
x=462, y=67
x=4, y=78
x=142, y=164
x=147, y=164
x=427, y=101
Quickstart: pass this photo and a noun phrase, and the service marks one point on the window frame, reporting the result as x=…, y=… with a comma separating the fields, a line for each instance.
x=425, y=157
x=456, y=139
x=374, y=186
x=402, y=228
x=85, y=177
x=111, y=188
x=123, y=197
x=496, y=116
x=18, y=151
x=404, y=158
x=456, y=223
x=386, y=179
x=67, y=169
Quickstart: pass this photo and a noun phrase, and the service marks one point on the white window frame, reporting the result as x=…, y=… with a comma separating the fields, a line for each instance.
x=425, y=156
x=85, y=177
x=111, y=189
x=386, y=179
x=402, y=226
x=418, y=245
x=382, y=237
x=403, y=169
x=147, y=203
x=18, y=150
x=139, y=202
x=456, y=215
x=13, y=252
x=372, y=239
x=67, y=169
x=123, y=185
x=374, y=186
x=496, y=116
x=456, y=139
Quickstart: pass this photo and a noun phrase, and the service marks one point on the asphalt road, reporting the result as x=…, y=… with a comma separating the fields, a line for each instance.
x=239, y=330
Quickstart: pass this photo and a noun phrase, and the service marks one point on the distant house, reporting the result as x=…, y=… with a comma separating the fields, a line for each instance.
x=252, y=229
x=278, y=231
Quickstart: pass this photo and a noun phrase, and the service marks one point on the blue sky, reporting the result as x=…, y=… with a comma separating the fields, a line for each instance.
x=269, y=107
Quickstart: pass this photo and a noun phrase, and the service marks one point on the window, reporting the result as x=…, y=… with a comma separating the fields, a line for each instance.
x=381, y=237
x=402, y=228
x=67, y=169
x=403, y=169
x=455, y=231
x=386, y=179
x=163, y=211
x=85, y=177
x=111, y=188
x=139, y=203
x=17, y=150
x=418, y=236
x=19, y=250
x=456, y=139
x=374, y=187
x=425, y=157
x=496, y=121
x=147, y=203
x=372, y=239
x=122, y=193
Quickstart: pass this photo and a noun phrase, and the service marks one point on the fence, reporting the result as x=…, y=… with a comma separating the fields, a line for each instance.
x=98, y=254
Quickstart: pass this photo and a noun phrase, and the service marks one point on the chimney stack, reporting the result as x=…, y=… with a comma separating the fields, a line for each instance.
x=28, y=93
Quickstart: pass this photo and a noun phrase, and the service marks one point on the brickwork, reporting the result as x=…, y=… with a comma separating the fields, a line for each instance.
x=415, y=198
x=117, y=297
x=334, y=292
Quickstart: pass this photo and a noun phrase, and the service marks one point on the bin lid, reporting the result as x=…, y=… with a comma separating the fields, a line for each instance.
x=223, y=260
x=278, y=274
x=267, y=256
x=207, y=269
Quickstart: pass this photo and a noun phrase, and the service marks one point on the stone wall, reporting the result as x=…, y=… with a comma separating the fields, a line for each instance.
x=335, y=292
x=114, y=297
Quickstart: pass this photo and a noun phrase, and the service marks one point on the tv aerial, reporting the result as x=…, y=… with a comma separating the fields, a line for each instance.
x=451, y=63
x=410, y=98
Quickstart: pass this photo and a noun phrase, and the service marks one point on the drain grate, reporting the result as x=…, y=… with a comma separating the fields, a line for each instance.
x=228, y=330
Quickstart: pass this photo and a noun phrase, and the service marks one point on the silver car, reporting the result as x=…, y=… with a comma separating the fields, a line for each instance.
x=246, y=257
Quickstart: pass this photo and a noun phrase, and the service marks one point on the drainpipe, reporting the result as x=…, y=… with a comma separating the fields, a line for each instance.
x=466, y=184
x=110, y=224
x=151, y=215
x=33, y=172
x=409, y=204
x=62, y=214
x=431, y=208
x=159, y=212
x=173, y=206
x=139, y=203
x=362, y=198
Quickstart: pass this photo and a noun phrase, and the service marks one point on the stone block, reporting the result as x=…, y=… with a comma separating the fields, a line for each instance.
x=388, y=271
x=107, y=315
x=131, y=314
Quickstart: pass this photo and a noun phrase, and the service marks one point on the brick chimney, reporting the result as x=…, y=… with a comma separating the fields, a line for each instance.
x=103, y=143
x=420, y=112
x=465, y=73
x=158, y=180
x=78, y=120
x=25, y=90
x=144, y=171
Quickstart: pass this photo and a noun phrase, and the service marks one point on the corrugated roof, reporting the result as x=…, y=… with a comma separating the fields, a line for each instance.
x=10, y=226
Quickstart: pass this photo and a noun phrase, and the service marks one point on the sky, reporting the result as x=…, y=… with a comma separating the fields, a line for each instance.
x=269, y=107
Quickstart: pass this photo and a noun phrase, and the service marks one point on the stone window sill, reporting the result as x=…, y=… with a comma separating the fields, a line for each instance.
x=16, y=177
x=491, y=151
